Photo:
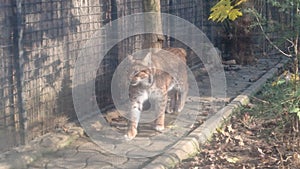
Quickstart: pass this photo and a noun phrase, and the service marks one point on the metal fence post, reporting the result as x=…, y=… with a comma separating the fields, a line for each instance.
x=18, y=65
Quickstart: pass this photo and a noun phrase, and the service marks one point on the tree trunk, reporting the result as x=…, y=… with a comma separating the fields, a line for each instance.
x=152, y=24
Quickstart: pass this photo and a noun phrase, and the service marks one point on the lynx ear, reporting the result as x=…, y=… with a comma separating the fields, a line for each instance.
x=147, y=60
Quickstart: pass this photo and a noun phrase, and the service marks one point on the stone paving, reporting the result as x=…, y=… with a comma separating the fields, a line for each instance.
x=71, y=148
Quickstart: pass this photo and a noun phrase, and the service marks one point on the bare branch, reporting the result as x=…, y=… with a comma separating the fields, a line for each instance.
x=268, y=39
x=291, y=42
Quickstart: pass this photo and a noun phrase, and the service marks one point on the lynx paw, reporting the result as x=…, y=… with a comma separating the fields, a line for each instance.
x=130, y=135
x=159, y=128
x=128, y=138
x=170, y=111
x=180, y=109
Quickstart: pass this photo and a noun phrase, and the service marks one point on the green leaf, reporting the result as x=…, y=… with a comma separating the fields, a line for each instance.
x=234, y=13
x=281, y=81
x=295, y=110
x=220, y=11
x=225, y=9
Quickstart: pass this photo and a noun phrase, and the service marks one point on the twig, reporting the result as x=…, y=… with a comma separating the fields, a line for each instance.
x=245, y=125
x=280, y=154
x=253, y=97
x=291, y=42
x=268, y=39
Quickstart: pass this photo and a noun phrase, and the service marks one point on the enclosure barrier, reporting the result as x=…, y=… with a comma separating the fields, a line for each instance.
x=39, y=43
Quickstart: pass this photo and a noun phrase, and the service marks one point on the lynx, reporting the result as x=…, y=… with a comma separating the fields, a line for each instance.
x=149, y=81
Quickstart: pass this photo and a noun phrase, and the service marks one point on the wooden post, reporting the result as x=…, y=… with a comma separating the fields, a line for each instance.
x=152, y=24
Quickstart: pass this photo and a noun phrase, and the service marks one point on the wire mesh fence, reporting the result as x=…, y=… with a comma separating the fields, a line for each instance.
x=39, y=43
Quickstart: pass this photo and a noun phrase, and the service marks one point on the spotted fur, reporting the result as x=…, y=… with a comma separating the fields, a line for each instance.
x=149, y=81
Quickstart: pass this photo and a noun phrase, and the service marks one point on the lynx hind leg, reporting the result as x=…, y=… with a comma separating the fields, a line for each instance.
x=182, y=95
x=180, y=102
x=171, y=104
x=176, y=101
x=160, y=119
x=160, y=122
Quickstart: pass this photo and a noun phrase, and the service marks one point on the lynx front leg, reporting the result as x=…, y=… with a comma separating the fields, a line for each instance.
x=135, y=114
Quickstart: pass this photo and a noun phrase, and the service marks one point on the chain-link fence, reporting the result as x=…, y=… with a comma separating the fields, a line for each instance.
x=39, y=43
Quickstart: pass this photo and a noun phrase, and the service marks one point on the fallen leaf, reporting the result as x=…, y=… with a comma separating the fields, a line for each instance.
x=260, y=151
x=227, y=140
x=241, y=143
x=232, y=159
x=248, y=132
x=239, y=139
x=229, y=128
x=296, y=159
x=246, y=117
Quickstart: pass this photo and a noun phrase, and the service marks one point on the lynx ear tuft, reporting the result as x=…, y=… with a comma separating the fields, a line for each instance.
x=147, y=60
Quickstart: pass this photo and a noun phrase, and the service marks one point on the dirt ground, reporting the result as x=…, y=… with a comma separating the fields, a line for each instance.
x=250, y=140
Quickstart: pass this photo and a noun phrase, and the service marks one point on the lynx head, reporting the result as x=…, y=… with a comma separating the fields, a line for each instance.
x=141, y=73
